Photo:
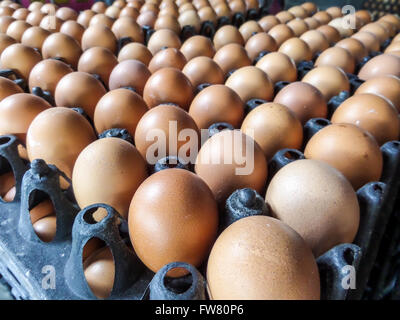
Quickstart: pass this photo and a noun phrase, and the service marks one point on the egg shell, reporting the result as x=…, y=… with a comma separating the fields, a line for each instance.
x=310, y=7
x=355, y=47
x=10, y=195
x=190, y=18
x=278, y=66
x=41, y=210
x=268, y=22
x=383, y=64
x=331, y=33
x=323, y=17
x=129, y=12
x=298, y=12
x=312, y=23
x=5, y=21
x=296, y=49
x=99, y=36
x=249, y=28
x=335, y=12
x=127, y=27
x=375, y=28
x=315, y=40
x=135, y=51
x=227, y=34
x=99, y=7
x=368, y=39
x=337, y=57
x=51, y=23
x=46, y=228
x=258, y=43
x=197, y=46
x=8, y=88
x=5, y=41
x=284, y=16
x=34, y=37
x=163, y=38
x=66, y=13
x=169, y=57
x=203, y=70
x=281, y=33
x=85, y=17
x=147, y=18
x=232, y=56
x=298, y=26
x=102, y=20
x=167, y=22
x=17, y=28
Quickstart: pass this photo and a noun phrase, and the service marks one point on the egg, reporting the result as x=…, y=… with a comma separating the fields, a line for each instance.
x=98, y=60
x=35, y=17
x=323, y=17
x=337, y=57
x=99, y=36
x=197, y=46
x=386, y=86
x=190, y=18
x=168, y=85
x=281, y=33
x=342, y=25
x=112, y=12
x=278, y=66
x=310, y=7
x=19, y=57
x=127, y=27
x=20, y=14
x=312, y=23
x=331, y=33
x=392, y=19
x=222, y=10
x=268, y=22
x=251, y=83
x=298, y=12
x=85, y=17
x=249, y=28
x=5, y=21
x=227, y=34
x=368, y=39
x=147, y=18
x=101, y=19
x=58, y=135
x=364, y=15
x=169, y=57
x=48, y=8
x=99, y=7
x=390, y=27
x=46, y=228
x=66, y=13
x=16, y=29
x=284, y=16
x=135, y=51
x=324, y=216
x=35, y=6
x=315, y=40
x=163, y=38
x=167, y=22
x=60, y=45
x=237, y=6
x=231, y=160
x=109, y=171
x=329, y=80
x=7, y=186
x=51, y=23
x=372, y=113
x=378, y=30
x=129, y=73
x=273, y=261
x=169, y=121
x=129, y=12
x=258, y=43
x=34, y=37
x=296, y=49
x=355, y=47
x=384, y=64
x=298, y=26
x=207, y=14
x=6, y=11
x=8, y=88
x=73, y=29
x=334, y=12
x=232, y=56
x=201, y=70
x=79, y=89
x=5, y=41
x=394, y=46
x=173, y=216
x=350, y=149
x=119, y=108
x=41, y=210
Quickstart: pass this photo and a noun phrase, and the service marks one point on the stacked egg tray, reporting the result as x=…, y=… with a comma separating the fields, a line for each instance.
x=27, y=264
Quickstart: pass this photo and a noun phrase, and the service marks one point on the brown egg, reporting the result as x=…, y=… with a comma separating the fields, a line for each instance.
x=281, y=33
x=392, y=19
x=73, y=134
x=163, y=38
x=66, y=13
x=135, y=51
x=5, y=21
x=119, y=108
x=73, y=29
x=41, y=210
x=170, y=121
x=311, y=23
x=85, y=17
x=207, y=14
x=129, y=73
x=51, y=23
x=127, y=27
x=98, y=60
x=101, y=19
x=249, y=28
x=99, y=36
x=273, y=261
x=225, y=166
x=232, y=56
x=368, y=39
x=99, y=270
x=190, y=18
x=35, y=17
x=34, y=37
x=197, y=46
x=35, y=6
x=46, y=228
x=112, y=12
x=8, y=88
x=331, y=33
x=79, y=89
x=227, y=34
x=375, y=28
x=17, y=28
x=355, y=47
x=168, y=22
x=329, y=80
x=350, y=149
x=324, y=217
x=19, y=57
x=268, y=22
x=60, y=45
x=395, y=53
x=310, y=7
x=384, y=64
x=5, y=41
x=99, y=7
x=147, y=18
x=296, y=49
x=47, y=73
x=20, y=14
x=180, y=207
x=364, y=16
x=298, y=12
x=278, y=66
x=298, y=26
x=135, y=4
x=284, y=16
x=337, y=57
x=109, y=171
x=169, y=57
x=222, y=10
x=323, y=17
x=120, y=4
x=201, y=70
x=6, y=11
x=129, y=12
x=334, y=12
x=17, y=111
x=372, y=113
x=237, y=6
x=226, y=107
x=168, y=11
x=251, y=83
x=274, y=127
x=315, y=40
x=15, y=5
x=394, y=46
x=385, y=86
x=148, y=6
x=258, y=43
x=390, y=27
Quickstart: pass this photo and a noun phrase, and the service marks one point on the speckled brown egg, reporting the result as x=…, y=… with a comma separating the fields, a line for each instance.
x=281, y=33
x=169, y=57
x=232, y=56
x=8, y=88
x=79, y=89
x=158, y=121
x=323, y=17
x=180, y=207
x=127, y=27
x=331, y=33
x=34, y=37
x=324, y=216
x=284, y=16
x=337, y=57
x=21, y=58
x=227, y=34
x=163, y=38
x=354, y=46
x=168, y=85
x=368, y=39
x=73, y=134
x=66, y=13
x=273, y=261
x=197, y=46
x=372, y=113
x=17, y=28
x=73, y=29
x=51, y=23
x=5, y=41
x=60, y=45
x=298, y=26
x=85, y=17
x=168, y=22
x=350, y=149
x=225, y=166
x=99, y=36
x=315, y=40
x=109, y=171
x=101, y=19
x=258, y=43
x=384, y=64
x=278, y=66
x=274, y=127
x=296, y=49
x=147, y=18
x=135, y=51
x=249, y=28
x=312, y=23
x=268, y=22
x=217, y=103
x=375, y=28
x=329, y=80
x=47, y=73
x=5, y=21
